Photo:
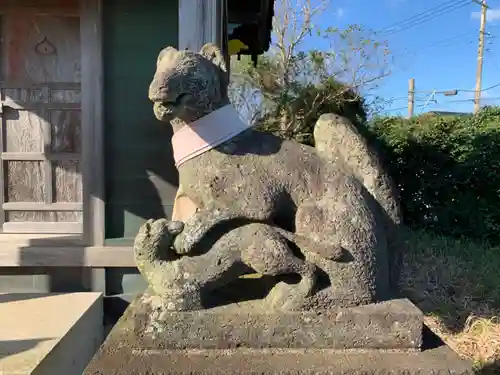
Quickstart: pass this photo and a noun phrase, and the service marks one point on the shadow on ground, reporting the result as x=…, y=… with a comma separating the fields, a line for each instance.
x=490, y=369
x=8, y=348
x=14, y=297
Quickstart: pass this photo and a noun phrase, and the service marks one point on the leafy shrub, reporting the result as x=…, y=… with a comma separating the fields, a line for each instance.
x=295, y=117
x=447, y=170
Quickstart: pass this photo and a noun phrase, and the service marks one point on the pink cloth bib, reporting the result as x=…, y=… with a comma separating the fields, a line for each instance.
x=206, y=133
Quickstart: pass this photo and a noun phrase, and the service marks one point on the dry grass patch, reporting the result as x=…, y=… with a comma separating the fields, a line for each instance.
x=457, y=285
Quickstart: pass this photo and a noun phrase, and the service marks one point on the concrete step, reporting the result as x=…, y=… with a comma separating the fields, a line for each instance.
x=49, y=334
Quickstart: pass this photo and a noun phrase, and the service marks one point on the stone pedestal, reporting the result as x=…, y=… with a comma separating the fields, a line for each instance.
x=241, y=339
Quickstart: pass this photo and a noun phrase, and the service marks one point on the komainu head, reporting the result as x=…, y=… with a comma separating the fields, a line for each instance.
x=189, y=85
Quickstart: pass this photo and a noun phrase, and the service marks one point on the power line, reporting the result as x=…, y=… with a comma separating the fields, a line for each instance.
x=428, y=11
x=440, y=92
x=458, y=90
x=425, y=16
x=441, y=103
x=486, y=89
x=458, y=36
x=471, y=100
x=433, y=13
x=395, y=109
x=445, y=11
x=447, y=42
x=401, y=108
x=442, y=43
x=405, y=98
x=493, y=59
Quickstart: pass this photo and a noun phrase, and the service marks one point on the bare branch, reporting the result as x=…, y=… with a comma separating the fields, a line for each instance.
x=290, y=86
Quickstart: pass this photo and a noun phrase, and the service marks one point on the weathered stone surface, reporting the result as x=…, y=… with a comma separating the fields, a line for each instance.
x=123, y=361
x=132, y=348
x=327, y=214
x=394, y=324
x=391, y=325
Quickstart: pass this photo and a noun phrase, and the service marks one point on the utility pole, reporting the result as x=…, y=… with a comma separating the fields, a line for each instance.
x=411, y=97
x=480, y=53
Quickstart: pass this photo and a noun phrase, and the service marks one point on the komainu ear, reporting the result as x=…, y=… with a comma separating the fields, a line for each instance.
x=164, y=52
x=212, y=53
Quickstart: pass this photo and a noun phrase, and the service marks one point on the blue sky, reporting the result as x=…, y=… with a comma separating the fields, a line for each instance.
x=439, y=53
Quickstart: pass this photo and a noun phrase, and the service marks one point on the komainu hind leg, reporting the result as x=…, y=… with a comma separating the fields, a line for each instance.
x=346, y=220
x=270, y=254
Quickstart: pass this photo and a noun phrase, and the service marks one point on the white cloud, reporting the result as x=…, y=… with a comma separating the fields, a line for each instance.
x=340, y=12
x=492, y=15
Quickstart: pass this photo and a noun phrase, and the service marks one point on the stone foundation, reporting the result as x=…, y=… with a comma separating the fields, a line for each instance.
x=241, y=339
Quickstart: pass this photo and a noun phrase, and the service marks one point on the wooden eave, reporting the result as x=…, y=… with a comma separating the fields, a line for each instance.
x=255, y=14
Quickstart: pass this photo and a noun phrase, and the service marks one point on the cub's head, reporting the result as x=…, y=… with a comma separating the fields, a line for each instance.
x=189, y=85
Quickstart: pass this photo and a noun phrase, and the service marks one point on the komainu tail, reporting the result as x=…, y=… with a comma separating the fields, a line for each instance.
x=337, y=138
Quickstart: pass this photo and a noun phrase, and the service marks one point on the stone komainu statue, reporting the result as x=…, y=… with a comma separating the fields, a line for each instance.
x=328, y=214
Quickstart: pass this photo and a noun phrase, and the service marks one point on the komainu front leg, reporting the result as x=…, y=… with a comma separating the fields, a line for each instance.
x=210, y=220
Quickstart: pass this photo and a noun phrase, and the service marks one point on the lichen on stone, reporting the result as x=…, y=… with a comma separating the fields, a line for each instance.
x=328, y=214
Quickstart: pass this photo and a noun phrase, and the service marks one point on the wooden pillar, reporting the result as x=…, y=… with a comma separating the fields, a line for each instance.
x=200, y=22
x=92, y=121
x=411, y=97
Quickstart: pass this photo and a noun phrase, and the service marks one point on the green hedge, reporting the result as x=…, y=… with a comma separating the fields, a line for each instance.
x=447, y=170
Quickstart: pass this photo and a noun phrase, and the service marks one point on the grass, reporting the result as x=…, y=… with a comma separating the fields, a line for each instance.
x=456, y=283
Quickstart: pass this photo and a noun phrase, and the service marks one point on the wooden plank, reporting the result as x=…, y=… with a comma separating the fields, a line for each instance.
x=199, y=23
x=40, y=239
x=2, y=129
x=39, y=156
x=36, y=206
x=2, y=175
x=23, y=131
x=47, y=165
x=133, y=150
x=93, y=121
x=24, y=181
x=191, y=27
x=31, y=106
x=35, y=89
x=42, y=3
x=213, y=21
x=41, y=7
x=67, y=179
x=37, y=85
x=14, y=255
x=43, y=11
x=25, y=30
x=66, y=131
x=42, y=227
